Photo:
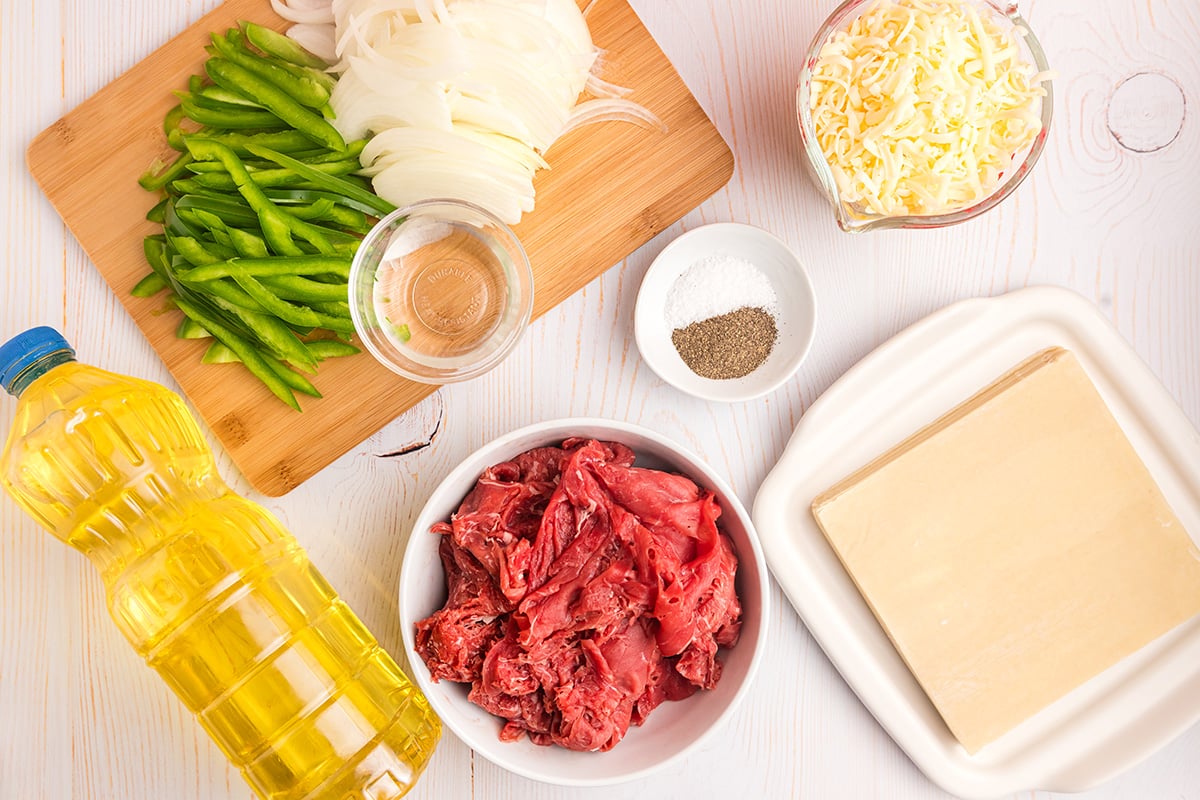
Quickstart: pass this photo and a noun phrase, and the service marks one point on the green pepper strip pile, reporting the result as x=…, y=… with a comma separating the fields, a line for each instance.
x=261, y=212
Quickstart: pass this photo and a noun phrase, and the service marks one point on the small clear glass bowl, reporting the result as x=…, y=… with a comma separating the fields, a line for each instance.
x=852, y=217
x=440, y=291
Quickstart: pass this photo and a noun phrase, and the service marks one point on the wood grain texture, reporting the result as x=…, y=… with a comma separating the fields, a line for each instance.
x=85, y=720
x=610, y=188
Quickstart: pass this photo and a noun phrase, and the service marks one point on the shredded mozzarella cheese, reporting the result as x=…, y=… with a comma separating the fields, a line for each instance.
x=920, y=106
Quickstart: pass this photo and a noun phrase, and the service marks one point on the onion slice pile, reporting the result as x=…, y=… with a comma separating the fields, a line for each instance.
x=459, y=97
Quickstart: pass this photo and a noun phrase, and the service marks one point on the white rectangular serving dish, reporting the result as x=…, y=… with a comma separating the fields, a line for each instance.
x=1106, y=725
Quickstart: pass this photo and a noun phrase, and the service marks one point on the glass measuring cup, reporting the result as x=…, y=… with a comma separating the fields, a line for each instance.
x=855, y=218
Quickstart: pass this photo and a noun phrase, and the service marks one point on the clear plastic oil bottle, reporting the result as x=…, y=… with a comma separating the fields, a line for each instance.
x=207, y=586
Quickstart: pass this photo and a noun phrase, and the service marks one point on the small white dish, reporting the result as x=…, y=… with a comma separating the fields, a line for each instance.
x=795, y=312
x=672, y=730
x=1102, y=727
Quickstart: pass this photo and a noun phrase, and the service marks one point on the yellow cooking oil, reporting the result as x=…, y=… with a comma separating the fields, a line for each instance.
x=208, y=587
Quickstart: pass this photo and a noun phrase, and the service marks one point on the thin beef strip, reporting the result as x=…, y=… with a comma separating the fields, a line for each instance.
x=582, y=593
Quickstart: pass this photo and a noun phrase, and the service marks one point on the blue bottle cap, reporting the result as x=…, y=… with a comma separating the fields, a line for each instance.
x=24, y=349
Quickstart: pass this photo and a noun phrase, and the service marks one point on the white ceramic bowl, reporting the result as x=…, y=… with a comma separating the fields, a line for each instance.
x=674, y=728
x=796, y=308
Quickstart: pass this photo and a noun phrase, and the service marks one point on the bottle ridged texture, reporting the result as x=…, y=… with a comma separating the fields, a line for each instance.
x=214, y=593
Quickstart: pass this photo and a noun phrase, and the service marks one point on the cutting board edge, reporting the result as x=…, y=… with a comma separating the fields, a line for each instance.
x=271, y=481
x=59, y=142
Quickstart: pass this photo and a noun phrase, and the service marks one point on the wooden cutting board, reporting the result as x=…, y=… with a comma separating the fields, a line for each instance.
x=610, y=188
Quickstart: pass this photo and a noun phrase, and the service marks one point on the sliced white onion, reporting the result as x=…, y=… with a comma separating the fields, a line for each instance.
x=316, y=39
x=487, y=115
x=306, y=5
x=360, y=110
x=598, y=87
x=405, y=183
x=304, y=11
x=609, y=109
x=488, y=151
x=460, y=98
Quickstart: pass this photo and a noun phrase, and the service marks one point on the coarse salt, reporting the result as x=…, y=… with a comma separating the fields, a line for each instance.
x=716, y=285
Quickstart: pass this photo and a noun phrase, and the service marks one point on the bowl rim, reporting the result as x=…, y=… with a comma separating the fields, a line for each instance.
x=855, y=221
x=740, y=389
x=548, y=431
x=524, y=285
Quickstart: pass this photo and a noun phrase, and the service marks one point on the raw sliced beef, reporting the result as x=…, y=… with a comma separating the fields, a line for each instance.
x=582, y=592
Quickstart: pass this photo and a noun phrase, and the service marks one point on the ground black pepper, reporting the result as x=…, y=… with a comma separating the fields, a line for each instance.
x=727, y=346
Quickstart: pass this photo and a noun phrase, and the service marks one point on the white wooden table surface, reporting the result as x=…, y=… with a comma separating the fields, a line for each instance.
x=1111, y=211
